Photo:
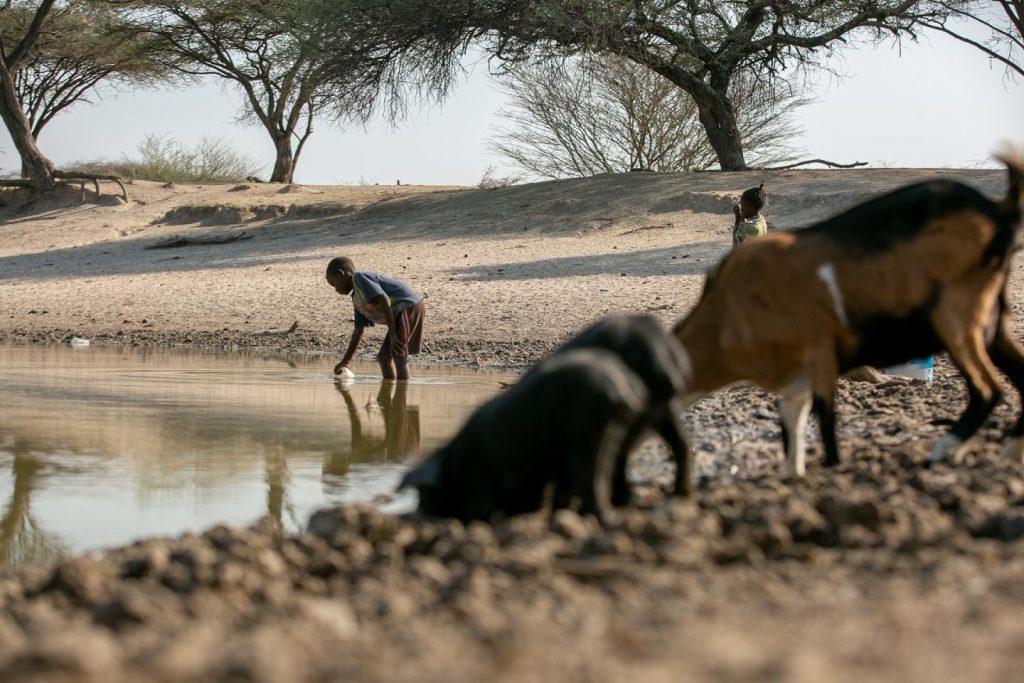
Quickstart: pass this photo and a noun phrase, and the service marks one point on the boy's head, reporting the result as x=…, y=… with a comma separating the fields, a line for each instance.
x=752, y=201
x=339, y=274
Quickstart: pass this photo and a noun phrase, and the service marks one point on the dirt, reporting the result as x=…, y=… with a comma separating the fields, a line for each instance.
x=507, y=273
x=879, y=569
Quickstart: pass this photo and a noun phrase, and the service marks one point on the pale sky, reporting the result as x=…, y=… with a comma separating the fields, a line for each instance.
x=935, y=103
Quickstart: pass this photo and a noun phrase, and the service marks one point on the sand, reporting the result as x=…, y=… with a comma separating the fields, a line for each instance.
x=506, y=272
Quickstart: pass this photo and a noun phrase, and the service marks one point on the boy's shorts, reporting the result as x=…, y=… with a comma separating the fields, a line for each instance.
x=409, y=324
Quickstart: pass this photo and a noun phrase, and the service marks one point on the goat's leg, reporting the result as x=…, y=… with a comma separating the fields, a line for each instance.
x=670, y=428
x=1009, y=357
x=968, y=353
x=823, y=390
x=594, y=474
x=793, y=409
x=620, y=490
x=824, y=410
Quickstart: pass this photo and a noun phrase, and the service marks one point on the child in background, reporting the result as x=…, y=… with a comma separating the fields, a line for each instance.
x=379, y=299
x=749, y=221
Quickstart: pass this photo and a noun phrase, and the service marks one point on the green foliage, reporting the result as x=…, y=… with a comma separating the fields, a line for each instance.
x=267, y=49
x=164, y=159
x=699, y=45
x=83, y=47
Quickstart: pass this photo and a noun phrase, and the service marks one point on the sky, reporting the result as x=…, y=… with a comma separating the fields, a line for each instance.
x=936, y=103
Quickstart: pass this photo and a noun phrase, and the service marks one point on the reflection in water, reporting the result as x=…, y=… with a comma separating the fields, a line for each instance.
x=401, y=437
x=21, y=538
x=276, y=467
x=102, y=446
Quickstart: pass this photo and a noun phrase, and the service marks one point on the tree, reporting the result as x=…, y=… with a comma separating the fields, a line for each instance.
x=81, y=48
x=264, y=48
x=1001, y=20
x=610, y=115
x=699, y=45
x=14, y=52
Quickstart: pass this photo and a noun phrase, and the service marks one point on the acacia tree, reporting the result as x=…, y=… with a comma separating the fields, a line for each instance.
x=14, y=52
x=79, y=50
x=264, y=48
x=699, y=45
x=1001, y=20
x=610, y=115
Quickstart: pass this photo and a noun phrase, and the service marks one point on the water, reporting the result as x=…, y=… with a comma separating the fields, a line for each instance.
x=103, y=446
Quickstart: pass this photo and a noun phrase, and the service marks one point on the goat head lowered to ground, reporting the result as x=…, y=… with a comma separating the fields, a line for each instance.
x=561, y=426
x=911, y=273
x=646, y=348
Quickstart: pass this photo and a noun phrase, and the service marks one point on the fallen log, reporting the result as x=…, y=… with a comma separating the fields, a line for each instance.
x=278, y=333
x=181, y=241
x=94, y=177
x=80, y=176
x=830, y=164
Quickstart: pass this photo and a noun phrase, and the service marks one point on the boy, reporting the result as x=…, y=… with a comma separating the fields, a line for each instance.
x=380, y=300
x=749, y=221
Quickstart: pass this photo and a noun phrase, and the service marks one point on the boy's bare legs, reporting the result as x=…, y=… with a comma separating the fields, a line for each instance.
x=392, y=367
x=402, y=368
x=387, y=367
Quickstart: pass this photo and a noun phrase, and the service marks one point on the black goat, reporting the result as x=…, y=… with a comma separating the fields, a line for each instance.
x=561, y=426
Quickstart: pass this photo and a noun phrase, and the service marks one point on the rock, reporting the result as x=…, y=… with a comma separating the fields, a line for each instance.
x=867, y=374
x=570, y=525
x=82, y=580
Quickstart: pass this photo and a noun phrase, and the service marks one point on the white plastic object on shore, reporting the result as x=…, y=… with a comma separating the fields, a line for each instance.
x=78, y=341
x=921, y=368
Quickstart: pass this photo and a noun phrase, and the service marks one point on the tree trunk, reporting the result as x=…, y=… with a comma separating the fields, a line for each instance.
x=716, y=115
x=714, y=109
x=34, y=165
x=284, y=163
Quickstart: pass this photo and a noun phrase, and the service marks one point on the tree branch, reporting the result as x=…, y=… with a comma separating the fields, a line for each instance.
x=830, y=164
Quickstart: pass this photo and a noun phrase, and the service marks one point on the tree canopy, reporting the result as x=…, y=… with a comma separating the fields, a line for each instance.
x=1000, y=21
x=699, y=45
x=266, y=48
x=81, y=48
x=610, y=115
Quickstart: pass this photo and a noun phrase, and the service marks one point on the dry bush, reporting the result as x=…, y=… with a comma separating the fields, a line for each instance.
x=490, y=180
x=165, y=159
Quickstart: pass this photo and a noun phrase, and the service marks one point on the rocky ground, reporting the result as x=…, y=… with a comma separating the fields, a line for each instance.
x=880, y=569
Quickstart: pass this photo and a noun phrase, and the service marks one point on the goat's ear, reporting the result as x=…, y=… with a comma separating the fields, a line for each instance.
x=423, y=475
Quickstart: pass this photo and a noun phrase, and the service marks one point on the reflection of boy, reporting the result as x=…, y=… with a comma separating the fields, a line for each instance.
x=401, y=428
x=749, y=221
x=382, y=300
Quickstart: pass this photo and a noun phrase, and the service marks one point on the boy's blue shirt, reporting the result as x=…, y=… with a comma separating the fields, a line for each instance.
x=368, y=286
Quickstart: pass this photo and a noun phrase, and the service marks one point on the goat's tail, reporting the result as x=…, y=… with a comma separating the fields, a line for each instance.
x=1013, y=157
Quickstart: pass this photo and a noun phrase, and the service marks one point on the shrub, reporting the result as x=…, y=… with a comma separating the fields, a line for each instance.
x=490, y=179
x=165, y=159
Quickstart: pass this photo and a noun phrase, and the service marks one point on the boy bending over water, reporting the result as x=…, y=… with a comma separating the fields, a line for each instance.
x=382, y=300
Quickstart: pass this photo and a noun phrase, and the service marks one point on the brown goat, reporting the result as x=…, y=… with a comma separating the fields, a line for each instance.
x=914, y=272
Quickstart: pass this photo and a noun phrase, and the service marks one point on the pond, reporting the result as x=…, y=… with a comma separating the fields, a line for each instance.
x=100, y=446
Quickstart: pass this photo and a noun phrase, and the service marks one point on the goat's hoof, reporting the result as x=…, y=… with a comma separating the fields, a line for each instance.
x=946, y=448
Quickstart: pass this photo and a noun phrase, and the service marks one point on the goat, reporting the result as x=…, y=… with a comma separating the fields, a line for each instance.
x=646, y=348
x=911, y=273
x=562, y=425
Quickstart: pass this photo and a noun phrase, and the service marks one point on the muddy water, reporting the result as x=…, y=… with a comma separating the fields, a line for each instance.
x=102, y=446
